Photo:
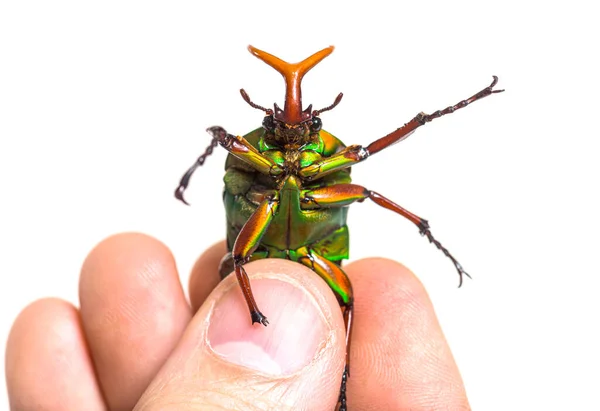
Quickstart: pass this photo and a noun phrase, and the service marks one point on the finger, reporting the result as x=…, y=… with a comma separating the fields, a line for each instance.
x=205, y=274
x=133, y=311
x=48, y=366
x=399, y=357
x=224, y=362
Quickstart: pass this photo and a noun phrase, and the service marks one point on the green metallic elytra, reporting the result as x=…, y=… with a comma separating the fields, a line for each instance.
x=288, y=185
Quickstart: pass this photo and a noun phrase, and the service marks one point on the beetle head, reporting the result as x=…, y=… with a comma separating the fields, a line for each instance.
x=292, y=125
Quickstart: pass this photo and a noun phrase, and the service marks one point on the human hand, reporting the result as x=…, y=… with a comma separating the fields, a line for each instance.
x=135, y=342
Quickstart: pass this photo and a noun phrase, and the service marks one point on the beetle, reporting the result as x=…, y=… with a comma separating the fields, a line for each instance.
x=288, y=185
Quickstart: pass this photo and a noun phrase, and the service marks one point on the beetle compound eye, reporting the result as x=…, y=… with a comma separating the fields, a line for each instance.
x=316, y=124
x=268, y=123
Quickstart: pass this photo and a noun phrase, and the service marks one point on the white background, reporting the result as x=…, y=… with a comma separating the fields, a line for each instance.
x=103, y=106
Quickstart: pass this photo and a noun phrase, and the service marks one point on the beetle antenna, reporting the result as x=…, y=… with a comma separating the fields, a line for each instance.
x=335, y=103
x=246, y=98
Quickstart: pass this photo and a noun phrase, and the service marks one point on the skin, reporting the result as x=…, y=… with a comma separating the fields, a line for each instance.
x=135, y=339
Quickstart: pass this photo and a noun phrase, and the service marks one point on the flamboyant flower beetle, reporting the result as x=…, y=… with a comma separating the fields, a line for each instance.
x=287, y=188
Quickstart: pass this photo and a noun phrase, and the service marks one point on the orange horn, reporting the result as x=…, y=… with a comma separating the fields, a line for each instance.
x=292, y=73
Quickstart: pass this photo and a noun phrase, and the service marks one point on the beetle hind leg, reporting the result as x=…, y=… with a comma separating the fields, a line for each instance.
x=348, y=321
x=339, y=282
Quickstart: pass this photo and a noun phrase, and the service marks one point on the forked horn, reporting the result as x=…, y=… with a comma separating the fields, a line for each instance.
x=292, y=73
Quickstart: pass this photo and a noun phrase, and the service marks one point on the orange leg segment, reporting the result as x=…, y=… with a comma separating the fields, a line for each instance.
x=339, y=282
x=340, y=195
x=246, y=243
x=354, y=154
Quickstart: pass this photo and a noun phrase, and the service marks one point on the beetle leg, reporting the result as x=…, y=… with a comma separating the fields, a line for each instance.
x=226, y=264
x=339, y=282
x=355, y=154
x=242, y=149
x=185, y=180
x=239, y=147
x=340, y=195
x=246, y=243
x=333, y=275
x=422, y=118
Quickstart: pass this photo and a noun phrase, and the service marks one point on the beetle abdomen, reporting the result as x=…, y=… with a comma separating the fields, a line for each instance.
x=292, y=227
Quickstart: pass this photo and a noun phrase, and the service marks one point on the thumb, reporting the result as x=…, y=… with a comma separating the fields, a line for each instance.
x=225, y=362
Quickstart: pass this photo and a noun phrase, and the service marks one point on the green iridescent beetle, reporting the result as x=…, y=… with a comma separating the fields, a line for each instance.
x=288, y=185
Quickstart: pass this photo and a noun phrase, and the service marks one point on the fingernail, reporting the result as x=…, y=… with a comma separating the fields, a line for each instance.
x=296, y=330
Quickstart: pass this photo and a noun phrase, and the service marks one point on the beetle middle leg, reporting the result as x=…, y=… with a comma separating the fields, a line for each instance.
x=339, y=282
x=246, y=243
x=340, y=195
x=226, y=266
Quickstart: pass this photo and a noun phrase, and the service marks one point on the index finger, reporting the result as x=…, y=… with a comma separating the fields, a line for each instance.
x=399, y=358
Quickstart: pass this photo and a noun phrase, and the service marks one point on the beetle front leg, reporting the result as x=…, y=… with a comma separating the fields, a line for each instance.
x=246, y=243
x=355, y=154
x=185, y=180
x=242, y=149
x=239, y=147
x=422, y=119
x=340, y=195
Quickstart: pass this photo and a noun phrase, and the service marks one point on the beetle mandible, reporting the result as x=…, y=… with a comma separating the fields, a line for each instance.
x=288, y=185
